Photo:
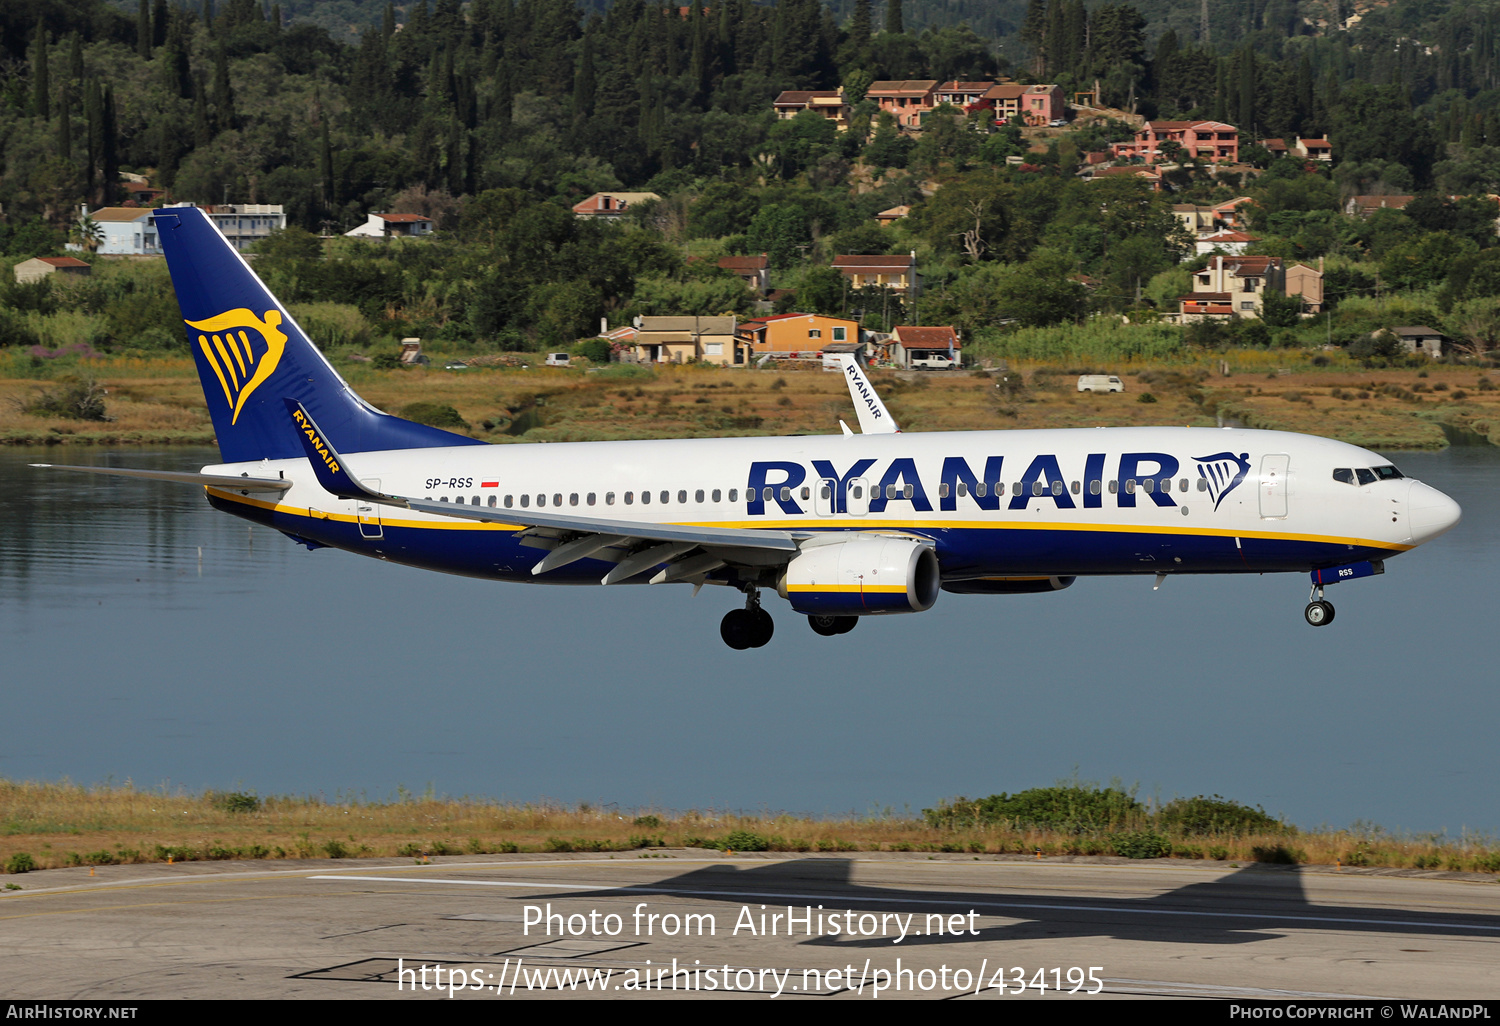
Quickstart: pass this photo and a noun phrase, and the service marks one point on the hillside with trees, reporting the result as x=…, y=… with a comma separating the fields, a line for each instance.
x=495, y=116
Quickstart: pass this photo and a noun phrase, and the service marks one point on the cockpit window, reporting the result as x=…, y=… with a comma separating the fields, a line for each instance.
x=1365, y=475
x=1388, y=473
x=1344, y=475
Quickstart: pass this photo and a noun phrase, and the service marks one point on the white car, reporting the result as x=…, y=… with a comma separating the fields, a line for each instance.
x=558, y=360
x=933, y=361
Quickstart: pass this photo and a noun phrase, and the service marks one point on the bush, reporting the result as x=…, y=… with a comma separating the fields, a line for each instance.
x=596, y=350
x=1279, y=855
x=439, y=415
x=73, y=398
x=744, y=840
x=1073, y=807
x=1141, y=844
x=20, y=862
x=234, y=801
x=1217, y=815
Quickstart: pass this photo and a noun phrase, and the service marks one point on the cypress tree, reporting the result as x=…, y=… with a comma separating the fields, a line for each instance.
x=161, y=15
x=75, y=61
x=143, y=32
x=276, y=17
x=223, y=94
x=109, y=146
x=893, y=23
x=65, y=122
x=585, y=85
x=41, y=82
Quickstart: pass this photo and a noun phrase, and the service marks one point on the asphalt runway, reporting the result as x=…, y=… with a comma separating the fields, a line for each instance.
x=690, y=924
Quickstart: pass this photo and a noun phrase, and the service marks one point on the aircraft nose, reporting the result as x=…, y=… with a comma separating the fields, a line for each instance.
x=1430, y=512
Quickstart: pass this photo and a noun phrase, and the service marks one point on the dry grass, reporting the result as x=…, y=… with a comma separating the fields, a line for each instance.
x=65, y=824
x=157, y=400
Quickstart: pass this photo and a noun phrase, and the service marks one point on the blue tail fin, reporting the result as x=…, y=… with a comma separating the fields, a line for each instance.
x=252, y=356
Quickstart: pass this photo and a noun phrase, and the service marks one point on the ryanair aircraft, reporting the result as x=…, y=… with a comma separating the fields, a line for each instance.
x=841, y=526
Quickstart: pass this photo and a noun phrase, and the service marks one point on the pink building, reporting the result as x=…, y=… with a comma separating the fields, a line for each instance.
x=907, y=100
x=1037, y=104
x=1209, y=140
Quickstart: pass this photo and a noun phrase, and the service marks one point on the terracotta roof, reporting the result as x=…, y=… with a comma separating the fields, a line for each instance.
x=895, y=212
x=403, y=218
x=1249, y=264
x=1229, y=236
x=1376, y=202
x=802, y=97
x=117, y=214
x=63, y=261
x=1274, y=144
x=903, y=87
x=1208, y=297
x=927, y=338
x=1316, y=144
x=964, y=87
x=744, y=263
x=1005, y=91
x=1139, y=170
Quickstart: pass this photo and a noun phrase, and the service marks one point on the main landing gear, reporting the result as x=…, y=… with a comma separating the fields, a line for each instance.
x=828, y=626
x=1319, y=613
x=750, y=627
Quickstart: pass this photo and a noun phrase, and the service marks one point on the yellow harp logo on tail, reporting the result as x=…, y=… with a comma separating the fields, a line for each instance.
x=242, y=349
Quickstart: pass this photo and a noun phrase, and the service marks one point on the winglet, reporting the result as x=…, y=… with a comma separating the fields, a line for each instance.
x=333, y=474
x=874, y=418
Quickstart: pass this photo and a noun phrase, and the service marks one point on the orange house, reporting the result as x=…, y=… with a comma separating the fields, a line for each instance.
x=785, y=334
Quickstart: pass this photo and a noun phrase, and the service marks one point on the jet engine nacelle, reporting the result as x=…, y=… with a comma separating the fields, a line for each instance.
x=1008, y=585
x=862, y=576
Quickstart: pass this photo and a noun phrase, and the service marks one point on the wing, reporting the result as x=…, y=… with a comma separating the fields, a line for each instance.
x=682, y=551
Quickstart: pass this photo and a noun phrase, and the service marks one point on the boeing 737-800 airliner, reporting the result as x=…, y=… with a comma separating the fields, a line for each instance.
x=841, y=526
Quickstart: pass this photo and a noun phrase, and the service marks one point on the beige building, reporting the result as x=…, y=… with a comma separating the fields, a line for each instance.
x=828, y=103
x=1306, y=282
x=59, y=268
x=1232, y=286
x=898, y=273
x=685, y=339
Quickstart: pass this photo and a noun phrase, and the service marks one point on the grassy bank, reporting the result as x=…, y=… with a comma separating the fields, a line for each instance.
x=158, y=401
x=60, y=824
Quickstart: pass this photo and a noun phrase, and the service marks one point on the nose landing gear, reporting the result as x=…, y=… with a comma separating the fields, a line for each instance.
x=750, y=627
x=1318, y=612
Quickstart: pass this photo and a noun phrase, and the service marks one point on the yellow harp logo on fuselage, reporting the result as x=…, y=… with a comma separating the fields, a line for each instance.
x=241, y=361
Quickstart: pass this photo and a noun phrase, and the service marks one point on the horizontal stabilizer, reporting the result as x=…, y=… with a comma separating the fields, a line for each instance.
x=244, y=484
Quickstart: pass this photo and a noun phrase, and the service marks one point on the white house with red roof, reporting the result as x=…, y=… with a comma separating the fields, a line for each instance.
x=898, y=273
x=908, y=341
x=610, y=206
x=1227, y=241
x=387, y=226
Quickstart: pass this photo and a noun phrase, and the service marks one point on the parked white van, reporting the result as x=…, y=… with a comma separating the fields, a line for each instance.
x=557, y=360
x=1100, y=383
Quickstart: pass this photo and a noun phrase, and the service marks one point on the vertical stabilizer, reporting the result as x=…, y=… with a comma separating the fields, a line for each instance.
x=252, y=356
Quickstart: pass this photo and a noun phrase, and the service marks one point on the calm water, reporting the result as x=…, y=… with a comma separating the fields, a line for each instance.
x=124, y=654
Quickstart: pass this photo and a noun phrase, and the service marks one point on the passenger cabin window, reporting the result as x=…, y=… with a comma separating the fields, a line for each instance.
x=717, y=495
x=508, y=502
x=573, y=499
x=629, y=498
x=645, y=498
x=943, y=490
x=609, y=498
x=666, y=496
x=525, y=501
x=698, y=495
x=493, y=501
x=1094, y=488
x=1114, y=486
x=963, y=489
x=591, y=498
x=682, y=496
x=557, y=499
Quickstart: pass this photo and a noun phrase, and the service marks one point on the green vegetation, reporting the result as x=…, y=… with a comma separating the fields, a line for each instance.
x=70, y=825
x=493, y=119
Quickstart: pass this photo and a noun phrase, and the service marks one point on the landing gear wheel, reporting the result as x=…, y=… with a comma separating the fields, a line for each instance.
x=1319, y=613
x=831, y=626
x=762, y=627
x=737, y=629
